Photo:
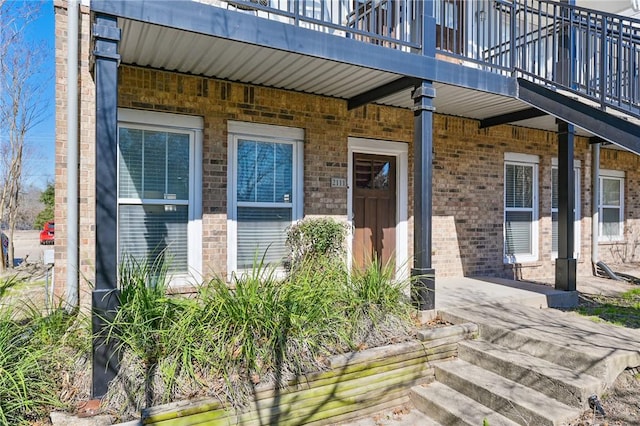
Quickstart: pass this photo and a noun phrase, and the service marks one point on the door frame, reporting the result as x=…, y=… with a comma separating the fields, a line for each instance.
x=399, y=150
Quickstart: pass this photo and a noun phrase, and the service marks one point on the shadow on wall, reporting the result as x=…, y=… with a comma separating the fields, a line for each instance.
x=480, y=245
x=627, y=250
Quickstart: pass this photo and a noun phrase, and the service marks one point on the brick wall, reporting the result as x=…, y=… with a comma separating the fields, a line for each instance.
x=326, y=122
x=468, y=197
x=628, y=249
x=468, y=166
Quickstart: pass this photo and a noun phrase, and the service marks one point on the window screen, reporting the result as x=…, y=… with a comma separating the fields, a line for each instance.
x=611, y=207
x=153, y=193
x=519, y=210
x=264, y=191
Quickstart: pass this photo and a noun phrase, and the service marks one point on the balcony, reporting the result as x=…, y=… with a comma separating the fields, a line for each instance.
x=394, y=24
x=471, y=50
x=519, y=37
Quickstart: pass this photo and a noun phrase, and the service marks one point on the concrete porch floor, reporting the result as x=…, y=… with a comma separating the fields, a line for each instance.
x=458, y=292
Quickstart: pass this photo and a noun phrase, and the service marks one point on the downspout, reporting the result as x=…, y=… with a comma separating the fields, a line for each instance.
x=595, y=201
x=72, y=155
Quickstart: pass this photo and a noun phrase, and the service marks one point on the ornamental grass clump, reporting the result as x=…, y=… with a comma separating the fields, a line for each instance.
x=379, y=312
x=269, y=329
x=37, y=351
x=263, y=328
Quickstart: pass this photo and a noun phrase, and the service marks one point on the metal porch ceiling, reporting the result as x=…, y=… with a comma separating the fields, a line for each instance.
x=169, y=49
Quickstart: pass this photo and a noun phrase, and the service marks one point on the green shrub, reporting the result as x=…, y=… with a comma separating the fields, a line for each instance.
x=316, y=237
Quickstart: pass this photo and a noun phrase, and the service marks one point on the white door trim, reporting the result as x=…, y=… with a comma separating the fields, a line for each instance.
x=400, y=150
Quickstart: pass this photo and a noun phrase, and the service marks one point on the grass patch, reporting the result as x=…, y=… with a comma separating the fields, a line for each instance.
x=623, y=310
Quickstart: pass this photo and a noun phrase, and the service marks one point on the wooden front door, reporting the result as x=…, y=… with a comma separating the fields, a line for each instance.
x=374, y=209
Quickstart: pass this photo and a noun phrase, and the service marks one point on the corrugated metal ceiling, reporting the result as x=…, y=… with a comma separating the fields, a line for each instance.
x=173, y=50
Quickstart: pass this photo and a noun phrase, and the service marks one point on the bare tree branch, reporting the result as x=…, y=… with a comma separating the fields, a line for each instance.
x=23, y=80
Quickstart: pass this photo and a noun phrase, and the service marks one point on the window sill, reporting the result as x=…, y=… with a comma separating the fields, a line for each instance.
x=611, y=242
x=512, y=260
x=523, y=264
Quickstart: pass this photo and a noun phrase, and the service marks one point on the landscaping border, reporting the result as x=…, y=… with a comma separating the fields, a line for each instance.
x=356, y=384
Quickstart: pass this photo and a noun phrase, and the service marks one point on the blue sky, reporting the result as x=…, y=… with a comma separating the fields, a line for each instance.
x=42, y=137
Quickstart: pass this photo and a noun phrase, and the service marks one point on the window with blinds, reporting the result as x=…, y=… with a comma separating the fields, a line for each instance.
x=153, y=196
x=265, y=193
x=264, y=200
x=611, y=206
x=554, y=210
x=520, y=212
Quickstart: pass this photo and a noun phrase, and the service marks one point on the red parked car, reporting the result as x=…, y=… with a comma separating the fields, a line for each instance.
x=47, y=233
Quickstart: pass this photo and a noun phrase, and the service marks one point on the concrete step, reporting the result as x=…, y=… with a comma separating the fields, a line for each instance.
x=563, y=384
x=514, y=401
x=390, y=418
x=563, y=338
x=451, y=408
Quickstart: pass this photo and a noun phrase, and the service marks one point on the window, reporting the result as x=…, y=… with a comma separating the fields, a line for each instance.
x=159, y=182
x=554, y=208
x=611, y=206
x=520, y=208
x=265, y=192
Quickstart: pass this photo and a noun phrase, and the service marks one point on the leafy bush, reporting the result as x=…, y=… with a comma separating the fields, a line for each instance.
x=316, y=237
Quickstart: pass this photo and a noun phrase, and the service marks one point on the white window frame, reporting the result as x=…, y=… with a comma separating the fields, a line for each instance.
x=193, y=126
x=613, y=175
x=400, y=150
x=237, y=130
x=577, y=210
x=527, y=160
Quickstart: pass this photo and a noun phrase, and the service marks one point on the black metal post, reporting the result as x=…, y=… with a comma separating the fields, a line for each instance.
x=423, y=290
x=566, y=263
x=105, y=296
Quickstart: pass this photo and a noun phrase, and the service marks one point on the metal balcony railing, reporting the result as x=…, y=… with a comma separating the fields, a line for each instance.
x=390, y=23
x=593, y=54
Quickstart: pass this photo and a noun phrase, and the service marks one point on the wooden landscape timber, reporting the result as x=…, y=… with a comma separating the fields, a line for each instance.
x=355, y=384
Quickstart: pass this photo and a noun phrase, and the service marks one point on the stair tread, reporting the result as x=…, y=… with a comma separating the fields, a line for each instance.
x=519, y=395
x=539, y=365
x=560, y=328
x=602, y=350
x=459, y=405
x=412, y=418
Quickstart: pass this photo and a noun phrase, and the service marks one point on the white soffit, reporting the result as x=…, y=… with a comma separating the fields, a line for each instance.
x=173, y=50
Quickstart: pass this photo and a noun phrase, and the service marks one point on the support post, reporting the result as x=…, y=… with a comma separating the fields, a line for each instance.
x=566, y=263
x=595, y=204
x=105, y=296
x=423, y=287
